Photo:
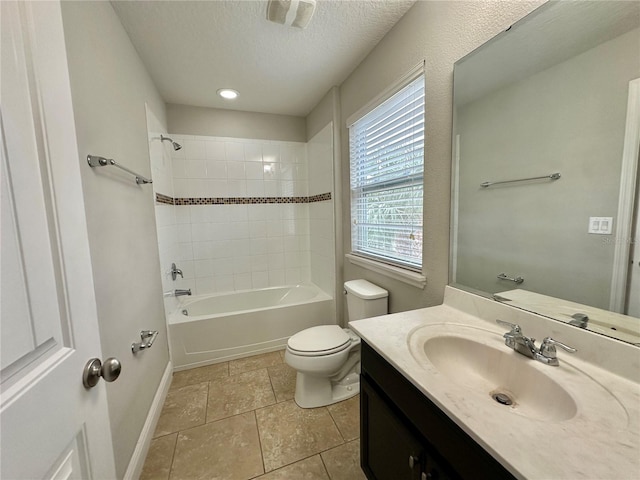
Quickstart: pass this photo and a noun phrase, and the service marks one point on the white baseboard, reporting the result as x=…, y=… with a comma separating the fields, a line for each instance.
x=144, y=441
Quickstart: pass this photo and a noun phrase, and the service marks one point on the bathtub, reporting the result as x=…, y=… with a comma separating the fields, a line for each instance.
x=207, y=329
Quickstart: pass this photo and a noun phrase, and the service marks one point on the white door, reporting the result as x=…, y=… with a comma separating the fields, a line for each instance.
x=51, y=426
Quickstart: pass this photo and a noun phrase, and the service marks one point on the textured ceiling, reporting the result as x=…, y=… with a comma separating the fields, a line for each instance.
x=191, y=49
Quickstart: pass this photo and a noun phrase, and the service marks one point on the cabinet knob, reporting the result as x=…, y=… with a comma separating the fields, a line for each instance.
x=413, y=460
x=432, y=475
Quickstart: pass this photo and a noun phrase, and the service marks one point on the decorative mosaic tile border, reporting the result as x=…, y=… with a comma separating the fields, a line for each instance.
x=165, y=199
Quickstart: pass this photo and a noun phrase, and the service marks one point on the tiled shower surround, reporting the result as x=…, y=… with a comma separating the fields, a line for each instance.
x=238, y=214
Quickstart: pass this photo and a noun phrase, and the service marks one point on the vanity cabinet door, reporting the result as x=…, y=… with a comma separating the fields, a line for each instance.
x=389, y=450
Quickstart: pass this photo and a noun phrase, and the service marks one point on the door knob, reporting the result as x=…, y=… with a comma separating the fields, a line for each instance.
x=94, y=369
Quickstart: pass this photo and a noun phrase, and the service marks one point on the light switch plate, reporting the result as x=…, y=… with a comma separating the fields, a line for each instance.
x=601, y=225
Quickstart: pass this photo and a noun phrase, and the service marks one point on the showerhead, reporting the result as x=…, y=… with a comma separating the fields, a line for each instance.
x=176, y=145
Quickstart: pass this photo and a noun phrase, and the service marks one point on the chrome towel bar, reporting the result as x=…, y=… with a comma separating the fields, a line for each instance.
x=95, y=161
x=553, y=176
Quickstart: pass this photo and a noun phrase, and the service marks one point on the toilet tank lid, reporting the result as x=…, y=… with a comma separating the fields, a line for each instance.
x=365, y=289
x=318, y=339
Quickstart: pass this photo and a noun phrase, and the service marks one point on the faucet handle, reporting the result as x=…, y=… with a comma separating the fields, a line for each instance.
x=548, y=348
x=515, y=328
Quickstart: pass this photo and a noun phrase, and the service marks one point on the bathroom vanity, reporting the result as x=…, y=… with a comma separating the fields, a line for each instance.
x=430, y=379
x=404, y=435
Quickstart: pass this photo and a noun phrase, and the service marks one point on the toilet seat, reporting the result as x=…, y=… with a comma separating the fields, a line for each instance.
x=319, y=341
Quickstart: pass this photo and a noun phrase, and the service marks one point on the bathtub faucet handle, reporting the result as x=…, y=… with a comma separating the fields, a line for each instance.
x=179, y=293
x=175, y=271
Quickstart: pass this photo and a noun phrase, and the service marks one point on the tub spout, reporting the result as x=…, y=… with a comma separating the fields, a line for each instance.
x=179, y=293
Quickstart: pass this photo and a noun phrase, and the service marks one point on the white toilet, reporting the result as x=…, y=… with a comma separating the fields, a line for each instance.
x=327, y=357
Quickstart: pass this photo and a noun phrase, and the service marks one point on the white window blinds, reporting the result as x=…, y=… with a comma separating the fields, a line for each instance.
x=387, y=168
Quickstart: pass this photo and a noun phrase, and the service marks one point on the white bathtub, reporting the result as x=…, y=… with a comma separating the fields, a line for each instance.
x=222, y=327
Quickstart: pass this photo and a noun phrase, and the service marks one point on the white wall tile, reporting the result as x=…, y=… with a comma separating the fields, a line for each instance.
x=275, y=261
x=242, y=281
x=255, y=188
x=253, y=152
x=237, y=188
x=276, y=278
x=270, y=153
x=205, y=285
x=258, y=246
x=275, y=245
x=259, y=263
x=234, y=152
x=194, y=149
x=253, y=171
x=203, y=268
x=215, y=151
x=235, y=170
x=216, y=169
x=259, y=280
x=224, y=283
x=195, y=169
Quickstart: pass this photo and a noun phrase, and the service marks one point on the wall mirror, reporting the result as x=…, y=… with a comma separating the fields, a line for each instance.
x=545, y=166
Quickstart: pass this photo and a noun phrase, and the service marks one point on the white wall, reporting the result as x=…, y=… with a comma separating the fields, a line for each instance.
x=188, y=120
x=550, y=122
x=438, y=33
x=110, y=86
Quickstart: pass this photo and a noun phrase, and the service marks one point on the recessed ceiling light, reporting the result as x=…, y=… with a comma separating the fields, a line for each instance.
x=228, y=93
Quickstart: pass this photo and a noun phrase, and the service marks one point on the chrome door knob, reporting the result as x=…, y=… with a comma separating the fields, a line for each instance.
x=94, y=369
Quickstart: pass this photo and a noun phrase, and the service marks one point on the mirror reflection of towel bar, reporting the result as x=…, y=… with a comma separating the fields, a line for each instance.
x=553, y=176
x=518, y=280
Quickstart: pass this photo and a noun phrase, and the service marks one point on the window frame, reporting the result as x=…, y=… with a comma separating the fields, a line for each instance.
x=393, y=266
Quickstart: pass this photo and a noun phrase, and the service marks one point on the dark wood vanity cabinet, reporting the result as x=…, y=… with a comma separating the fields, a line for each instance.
x=404, y=436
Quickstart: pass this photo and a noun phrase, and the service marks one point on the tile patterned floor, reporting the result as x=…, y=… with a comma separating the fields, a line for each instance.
x=237, y=421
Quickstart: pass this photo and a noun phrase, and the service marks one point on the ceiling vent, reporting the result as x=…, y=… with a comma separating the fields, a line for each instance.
x=294, y=13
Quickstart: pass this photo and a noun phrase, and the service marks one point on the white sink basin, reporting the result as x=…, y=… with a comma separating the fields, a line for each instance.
x=473, y=365
x=500, y=373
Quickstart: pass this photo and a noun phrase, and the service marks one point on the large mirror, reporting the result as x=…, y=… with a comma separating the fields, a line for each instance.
x=546, y=128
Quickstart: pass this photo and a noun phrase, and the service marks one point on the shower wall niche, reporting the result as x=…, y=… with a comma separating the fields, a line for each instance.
x=240, y=214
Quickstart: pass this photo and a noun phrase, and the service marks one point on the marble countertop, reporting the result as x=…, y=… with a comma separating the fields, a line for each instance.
x=602, y=440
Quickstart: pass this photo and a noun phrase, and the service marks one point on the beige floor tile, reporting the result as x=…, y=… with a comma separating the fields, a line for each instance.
x=199, y=375
x=289, y=433
x=158, y=462
x=310, y=468
x=343, y=462
x=281, y=352
x=347, y=417
x=184, y=408
x=227, y=449
x=254, y=363
x=238, y=394
x=283, y=380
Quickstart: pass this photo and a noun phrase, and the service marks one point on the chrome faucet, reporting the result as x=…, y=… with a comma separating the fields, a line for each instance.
x=179, y=293
x=175, y=272
x=526, y=346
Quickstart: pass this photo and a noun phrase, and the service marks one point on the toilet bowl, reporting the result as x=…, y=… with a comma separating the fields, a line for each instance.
x=327, y=357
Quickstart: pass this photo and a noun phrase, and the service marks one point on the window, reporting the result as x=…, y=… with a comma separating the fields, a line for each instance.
x=387, y=169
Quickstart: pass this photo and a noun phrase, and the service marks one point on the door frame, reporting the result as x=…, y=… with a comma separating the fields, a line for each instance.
x=626, y=200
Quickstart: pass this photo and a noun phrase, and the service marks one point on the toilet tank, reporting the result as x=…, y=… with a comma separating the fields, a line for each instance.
x=364, y=299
